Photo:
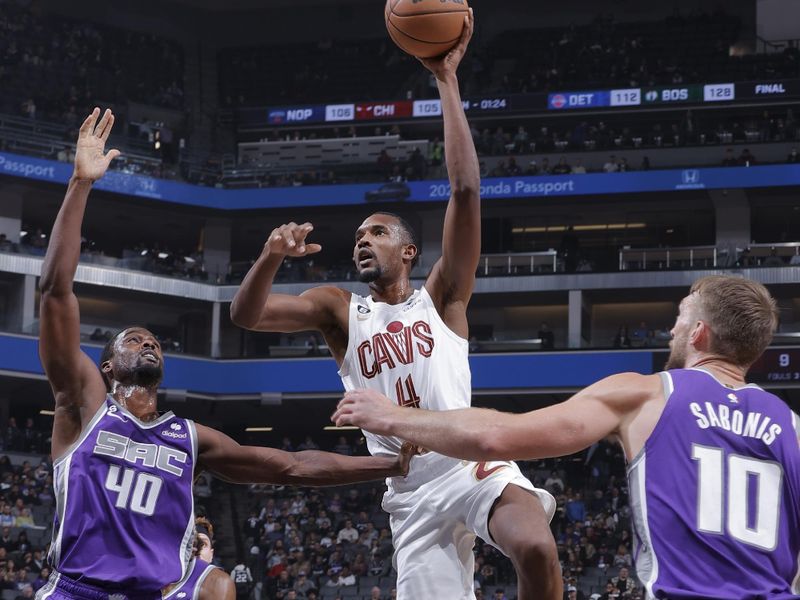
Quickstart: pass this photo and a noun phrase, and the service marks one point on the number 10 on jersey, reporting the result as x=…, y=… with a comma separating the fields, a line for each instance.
x=723, y=489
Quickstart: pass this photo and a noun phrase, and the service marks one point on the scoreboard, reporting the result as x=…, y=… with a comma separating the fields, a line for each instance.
x=614, y=99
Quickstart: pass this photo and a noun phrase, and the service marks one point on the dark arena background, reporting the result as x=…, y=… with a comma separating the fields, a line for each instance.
x=627, y=148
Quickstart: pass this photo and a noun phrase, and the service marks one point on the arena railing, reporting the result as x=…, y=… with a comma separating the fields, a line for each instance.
x=690, y=257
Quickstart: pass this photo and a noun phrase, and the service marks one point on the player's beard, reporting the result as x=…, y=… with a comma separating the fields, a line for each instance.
x=369, y=275
x=147, y=374
x=677, y=354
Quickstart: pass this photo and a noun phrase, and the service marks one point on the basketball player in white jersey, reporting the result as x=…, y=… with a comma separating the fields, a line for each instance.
x=412, y=346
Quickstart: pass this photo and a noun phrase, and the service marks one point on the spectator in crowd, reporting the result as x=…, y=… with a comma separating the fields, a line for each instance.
x=578, y=169
x=554, y=484
x=348, y=533
x=611, y=165
x=26, y=592
x=623, y=582
x=243, y=580
x=622, y=558
x=746, y=159
x=436, y=153
x=610, y=593
x=562, y=168
x=793, y=157
x=303, y=585
x=773, y=260
x=729, y=160
x=622, y=340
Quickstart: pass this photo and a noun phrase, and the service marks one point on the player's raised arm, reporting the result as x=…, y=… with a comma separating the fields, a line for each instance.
x=73, y=376
x=453, y=277
x=230, y=461
x=256, y=307
x=589, y=416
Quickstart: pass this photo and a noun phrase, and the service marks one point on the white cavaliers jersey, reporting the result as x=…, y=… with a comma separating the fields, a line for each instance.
x=406, y=352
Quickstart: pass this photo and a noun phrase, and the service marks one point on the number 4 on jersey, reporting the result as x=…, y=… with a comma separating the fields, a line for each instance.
x=406, y=394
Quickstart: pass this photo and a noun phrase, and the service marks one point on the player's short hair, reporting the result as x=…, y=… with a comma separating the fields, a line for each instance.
x=107, y=354
x=742, y=314
x=411, y=235
x=203, y=525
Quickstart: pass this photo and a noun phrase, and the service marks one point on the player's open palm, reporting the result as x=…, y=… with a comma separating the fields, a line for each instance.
x=91, y=159
x=368, y=409
x=446, y=65
x=290, y=240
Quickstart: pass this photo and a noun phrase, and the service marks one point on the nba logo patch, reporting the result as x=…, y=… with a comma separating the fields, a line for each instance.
x=364, y=313
x=181, y=595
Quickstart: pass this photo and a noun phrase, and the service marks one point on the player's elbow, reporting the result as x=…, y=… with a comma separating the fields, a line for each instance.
x=242, y=317
x=491, y=447
x=466, y=190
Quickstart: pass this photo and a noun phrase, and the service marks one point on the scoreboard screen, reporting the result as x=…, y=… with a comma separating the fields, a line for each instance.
x=776, y=365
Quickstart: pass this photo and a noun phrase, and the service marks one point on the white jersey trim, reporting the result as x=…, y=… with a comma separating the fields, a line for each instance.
x=444, y=325
x=200, y=581
x=796, y=581
x=62, y=496
x=50, y=587
x=646, y=566
x=344, y=368
x=187, y=543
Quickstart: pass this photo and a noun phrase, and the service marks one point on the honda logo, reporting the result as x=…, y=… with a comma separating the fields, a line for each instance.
x=691, y=176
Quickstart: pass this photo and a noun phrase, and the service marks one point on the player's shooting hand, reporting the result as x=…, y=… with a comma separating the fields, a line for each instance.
x=290, y=240
x=91, y=159
x=368, y=409
x=444, y=66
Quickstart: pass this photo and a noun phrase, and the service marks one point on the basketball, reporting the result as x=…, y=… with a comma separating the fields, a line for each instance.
x=425, y=28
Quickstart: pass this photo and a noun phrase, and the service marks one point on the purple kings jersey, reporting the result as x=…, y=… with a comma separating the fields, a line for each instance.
x=715, y=494
x=124, y=507
x=189, y=588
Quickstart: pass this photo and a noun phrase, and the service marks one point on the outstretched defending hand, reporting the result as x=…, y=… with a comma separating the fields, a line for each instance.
x=290, y=240
x=446, y=65
x=368, y=409
x=90, y=161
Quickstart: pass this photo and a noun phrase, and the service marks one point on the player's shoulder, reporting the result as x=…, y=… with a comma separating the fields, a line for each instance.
x=218, y=585
x=628, y=389
x=328, y=294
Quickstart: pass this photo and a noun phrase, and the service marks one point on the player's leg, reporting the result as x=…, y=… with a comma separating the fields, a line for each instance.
x=507, y=511
x=520, y=527
x=433, y=548
x=436, y=566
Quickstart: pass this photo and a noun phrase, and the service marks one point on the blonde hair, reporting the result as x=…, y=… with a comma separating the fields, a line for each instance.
x=742, y=314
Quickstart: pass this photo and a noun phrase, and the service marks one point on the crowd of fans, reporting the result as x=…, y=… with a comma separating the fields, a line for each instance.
x=301, y=543
x=554, y=137
x=56, y=66
x=602, y=54
x=153, y=258
x=26, y=504
x=607, y=54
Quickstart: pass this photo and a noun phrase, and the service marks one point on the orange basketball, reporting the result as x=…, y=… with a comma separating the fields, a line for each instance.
x=425, y=28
